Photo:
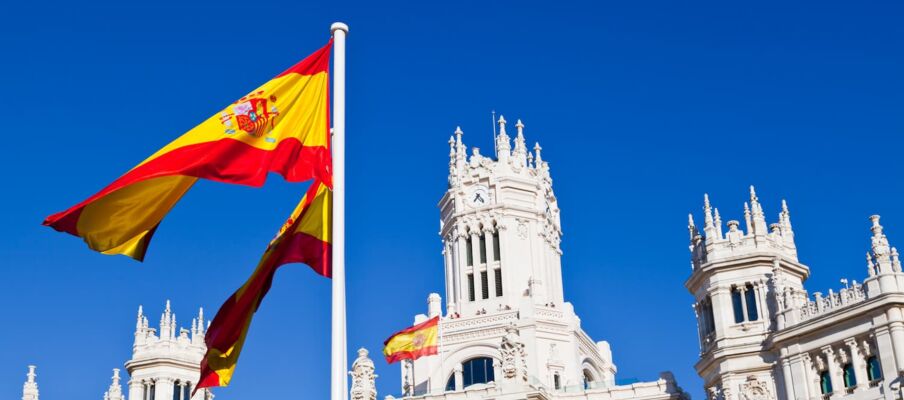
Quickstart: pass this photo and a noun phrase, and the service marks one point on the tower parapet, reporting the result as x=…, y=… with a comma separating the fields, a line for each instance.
x=166, y=362
x=715, y=244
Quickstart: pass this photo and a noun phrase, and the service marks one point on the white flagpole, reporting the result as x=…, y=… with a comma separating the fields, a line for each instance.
x=338, y=375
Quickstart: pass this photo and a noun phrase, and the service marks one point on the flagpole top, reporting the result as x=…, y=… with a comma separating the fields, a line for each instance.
x=338, y=26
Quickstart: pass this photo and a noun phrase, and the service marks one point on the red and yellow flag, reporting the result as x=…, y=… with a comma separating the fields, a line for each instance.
x=413, y=342
x=305, y=238
x=282, y=127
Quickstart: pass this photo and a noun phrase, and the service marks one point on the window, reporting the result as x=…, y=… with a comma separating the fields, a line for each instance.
x=150, y=390
x=484, y=285
x=849, y=379
x=873, y=371
x=496, y=256
x=825, y=383
x=556, y=381
x=469, y=252
x=743, y=303
x=186, y=391
x=450, y=384
x=498, y=274
x=177, y=390
x=736, y=305
x=588, y=379
x=483, y=249
x=708, y=323
x=477, y=370
x=471, y=287
x=750, y=295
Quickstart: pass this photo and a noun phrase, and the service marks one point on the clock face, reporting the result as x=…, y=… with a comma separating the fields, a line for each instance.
x=479, y=196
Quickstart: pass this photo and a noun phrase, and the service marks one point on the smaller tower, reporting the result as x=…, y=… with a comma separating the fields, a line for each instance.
x=30, y=389
x=115, y=390
x=363, y=377
x=165, y=365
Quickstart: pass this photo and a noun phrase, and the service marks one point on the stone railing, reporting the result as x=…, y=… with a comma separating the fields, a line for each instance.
x=820, y=305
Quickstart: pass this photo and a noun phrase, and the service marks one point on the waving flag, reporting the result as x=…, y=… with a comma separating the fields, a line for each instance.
x=413, y=342
x=305, y=238
x=282, y=127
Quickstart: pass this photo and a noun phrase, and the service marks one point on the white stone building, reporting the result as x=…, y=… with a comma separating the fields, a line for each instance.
x=507, y=331
x=763, y=336
x=165, y=364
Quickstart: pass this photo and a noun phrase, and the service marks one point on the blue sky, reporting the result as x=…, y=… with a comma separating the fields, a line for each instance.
x=640, y=107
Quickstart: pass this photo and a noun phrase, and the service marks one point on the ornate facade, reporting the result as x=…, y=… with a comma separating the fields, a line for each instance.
x=507, y=331
x=763, y=336
x=164, y=364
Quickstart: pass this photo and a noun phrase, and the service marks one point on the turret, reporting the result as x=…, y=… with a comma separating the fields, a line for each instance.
x=30, y=388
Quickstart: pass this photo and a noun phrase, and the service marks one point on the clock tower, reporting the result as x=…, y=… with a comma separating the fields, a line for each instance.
x=500, y=227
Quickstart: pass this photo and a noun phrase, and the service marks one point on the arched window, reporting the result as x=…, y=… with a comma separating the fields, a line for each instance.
x=450, y=384
x=825, y=383
x=750, y=297
x=736, y=305
x=873, y=371
x=477, y=370
x=849, y=379
x=588, y=379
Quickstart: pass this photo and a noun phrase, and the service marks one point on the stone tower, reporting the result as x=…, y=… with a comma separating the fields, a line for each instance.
x=165, y=364
x=30, y=388
x=733, y=280
x=507, y=331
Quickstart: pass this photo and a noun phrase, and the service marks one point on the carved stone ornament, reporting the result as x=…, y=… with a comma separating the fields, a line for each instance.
x=513, y=355
x=363, y=377
x=755, y=389
x=522, y=229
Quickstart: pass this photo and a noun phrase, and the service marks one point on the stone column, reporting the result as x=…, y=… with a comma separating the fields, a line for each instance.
x=896, y=328
x=475, y=255
x=858, y=363
x=800, y=374
x=459, y=377
x=136, y=390
x=450, y=271
x=787, y=379
x=832, y=366
x=722, y=310
x=743, y=291
x=163, y=389
x=491, y=274
x=460, y=275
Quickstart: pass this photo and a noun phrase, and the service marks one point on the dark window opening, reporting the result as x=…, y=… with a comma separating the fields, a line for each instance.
x=849, y=379
x=469, y=253
x=471, y=287
x=498, y=274
x=736, y=305
x=484, y=285
x=752, y=314
x=825, y=383
x=873, y=371
x=496, y=256
x=477, y=370
x=483, y=249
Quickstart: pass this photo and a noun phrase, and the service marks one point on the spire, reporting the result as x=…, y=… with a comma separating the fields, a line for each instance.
x=139, y=325
x=537, y=150
x=115, y=390
x=30, y=388
x=451, y=150
x=503, y=142
x=520, y=153
x=747, y=220
x=785, y=220
x=201, y=321
x=759, y=218
x=460, y=149
x=708, y=228
x=691, y=228
x=718, y=222
x=880, y=247
x=166, y=323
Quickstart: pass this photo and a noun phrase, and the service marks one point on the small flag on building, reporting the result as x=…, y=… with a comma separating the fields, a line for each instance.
x=282, y=127
x=413, y=342
x=305, y=238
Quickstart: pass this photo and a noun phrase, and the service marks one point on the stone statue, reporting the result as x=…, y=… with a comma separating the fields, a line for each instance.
x=363, y=378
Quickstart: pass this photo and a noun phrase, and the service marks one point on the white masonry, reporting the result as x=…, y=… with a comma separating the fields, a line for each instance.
x=507, y=332
x=763, y=336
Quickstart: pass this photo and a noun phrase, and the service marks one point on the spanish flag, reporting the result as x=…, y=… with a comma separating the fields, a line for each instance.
x=305, y=238
x=282, y=127
x=413, y=342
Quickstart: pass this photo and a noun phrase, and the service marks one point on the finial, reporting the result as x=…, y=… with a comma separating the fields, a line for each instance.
x=537, y=150
x=705, y=200
x=167, y=306
x=116, y=376
x=451, y=147
x=520, y=127
x=31, y=373
x=784, y=206
x=707, y=216
x=690, y=220
x=501, y=123
x=876, y=228
x=753, y=197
